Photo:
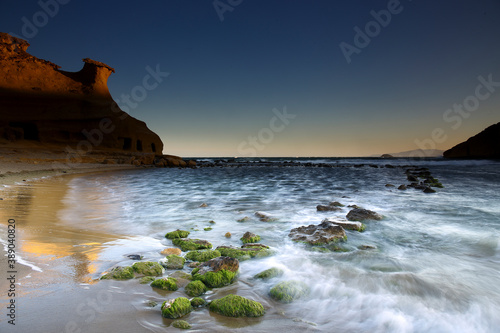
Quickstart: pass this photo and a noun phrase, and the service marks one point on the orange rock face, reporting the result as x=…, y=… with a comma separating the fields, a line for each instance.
x=39, y=102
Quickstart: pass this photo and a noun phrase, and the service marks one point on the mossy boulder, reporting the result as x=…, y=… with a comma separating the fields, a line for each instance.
x=173, y=262
x=165, y=283
x=269, y=273
x=202, y=255
x=187, y=244
x=176, y=308
x=236, y=306
x=177, y=234
x=148, y=268
x=181, y=275
x=323, y=233
x=244, y=253
x=147, y=279
x=216, y=279
x=288, y=291
x=119, y=273
x=250, y=237
x=182, y=324
x=359, y=214
x=198, y=302
x=217, y=272
x=195, y=288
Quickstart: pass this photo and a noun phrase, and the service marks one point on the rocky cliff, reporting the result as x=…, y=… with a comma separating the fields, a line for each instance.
x=40, y=103
x=483, y=145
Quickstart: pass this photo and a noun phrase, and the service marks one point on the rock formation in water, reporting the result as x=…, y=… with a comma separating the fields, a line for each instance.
x=70, y=111
x=483, y=145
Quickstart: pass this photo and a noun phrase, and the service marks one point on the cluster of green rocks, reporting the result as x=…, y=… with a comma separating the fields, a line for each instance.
x=212, y=268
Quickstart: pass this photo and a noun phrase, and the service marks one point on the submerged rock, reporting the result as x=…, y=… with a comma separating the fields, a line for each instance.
x=250, y=237
x=177, y=234
x=429, y=190
x=176, y=308
x=402, y=187
x=347, y=225
x=264, y=217
x=165, y=283
x=119, y=273
x=243, y=219
x=269, y=273
x=196, y=302
x=228, y=235
x=323, y=233
x=148, y=268
x=358, y=214
x=244, y=253
x=202, y=255
x=195, y=288
x=171, y=250
x=135, y=257
x=147, y=279
x=288, y=291
x=217, y=272
x=187, y=244
x=236, y=306
x=173, y=261
x=323, y=208
x=182, y=324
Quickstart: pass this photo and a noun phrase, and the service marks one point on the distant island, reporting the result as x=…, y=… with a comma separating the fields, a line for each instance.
x=414, y=153
x=483, y=145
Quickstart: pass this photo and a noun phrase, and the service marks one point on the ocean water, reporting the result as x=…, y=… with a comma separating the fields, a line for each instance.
x=435, y=265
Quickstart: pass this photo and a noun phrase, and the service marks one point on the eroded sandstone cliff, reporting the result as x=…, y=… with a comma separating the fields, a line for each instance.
x=40, y=103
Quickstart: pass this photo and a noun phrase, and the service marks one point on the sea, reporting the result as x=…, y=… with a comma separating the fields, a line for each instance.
x=432, y=264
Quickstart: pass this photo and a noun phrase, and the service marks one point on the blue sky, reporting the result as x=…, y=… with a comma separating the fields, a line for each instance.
x=227, y=76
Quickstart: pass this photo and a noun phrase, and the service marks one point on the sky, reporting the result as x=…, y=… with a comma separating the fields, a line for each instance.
x=283, y=78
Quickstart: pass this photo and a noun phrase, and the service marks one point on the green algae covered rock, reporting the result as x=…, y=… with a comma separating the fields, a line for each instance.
x=119, y=273
x=146, y=279
x=177, y=234
x=174, y=262
x=187, y=244
x=197, y=302
x=216, y=279
x=165, y=283
x=250, y=237
x=148, y=268
x=269, y=273
x=182, y=324
x=195, y=288
x=288, y=291
x=244, y=253
x=176, y=308
x=217, y=272
x=202, y=255
x=236, y=306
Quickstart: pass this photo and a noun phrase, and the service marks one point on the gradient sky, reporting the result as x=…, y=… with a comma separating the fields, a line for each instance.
x=227, y=76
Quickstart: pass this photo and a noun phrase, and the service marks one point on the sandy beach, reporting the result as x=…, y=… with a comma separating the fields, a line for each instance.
x=55, y=277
